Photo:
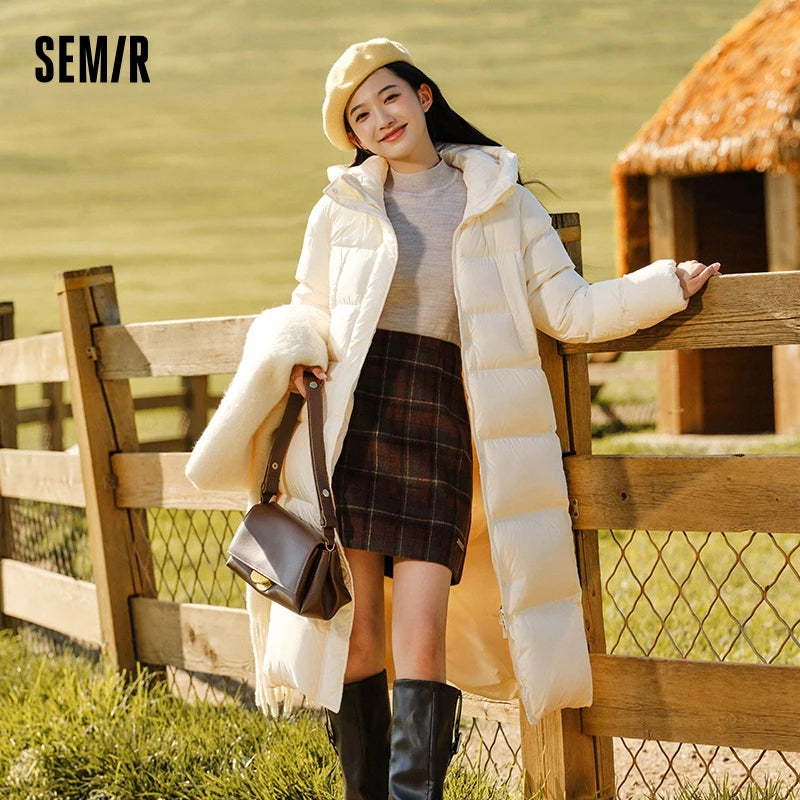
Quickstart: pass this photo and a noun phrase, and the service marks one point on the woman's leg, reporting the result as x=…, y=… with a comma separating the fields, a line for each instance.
x=368, y=639
x=426, y=710
x=360, y=729
x=419, y=616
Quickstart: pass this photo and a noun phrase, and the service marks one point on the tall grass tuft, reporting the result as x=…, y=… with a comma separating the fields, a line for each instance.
x=770, y=790
x=73, y=730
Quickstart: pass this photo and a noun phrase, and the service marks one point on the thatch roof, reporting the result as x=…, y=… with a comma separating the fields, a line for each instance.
x=739, y=107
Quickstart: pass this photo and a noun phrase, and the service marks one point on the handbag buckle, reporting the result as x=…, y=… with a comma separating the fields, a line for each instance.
x=262, y=582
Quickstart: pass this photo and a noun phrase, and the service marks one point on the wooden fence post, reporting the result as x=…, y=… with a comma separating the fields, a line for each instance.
x=560, y=761
x=8, y=437
x=104, y=422
x=195, y=408
x=53, y=427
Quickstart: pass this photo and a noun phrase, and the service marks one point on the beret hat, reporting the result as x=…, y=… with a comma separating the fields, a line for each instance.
x=356, y=64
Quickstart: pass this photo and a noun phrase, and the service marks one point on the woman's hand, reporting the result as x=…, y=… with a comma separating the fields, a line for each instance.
x=693, y=276
x=296, y=378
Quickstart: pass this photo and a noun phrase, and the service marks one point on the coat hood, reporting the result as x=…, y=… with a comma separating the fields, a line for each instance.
x=490, y=173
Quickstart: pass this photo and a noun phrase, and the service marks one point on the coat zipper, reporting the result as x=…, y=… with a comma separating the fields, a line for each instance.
x=503, y=623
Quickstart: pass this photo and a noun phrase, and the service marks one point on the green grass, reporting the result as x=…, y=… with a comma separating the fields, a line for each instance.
x=771, y=790
x=73, y=730
x=196, y=186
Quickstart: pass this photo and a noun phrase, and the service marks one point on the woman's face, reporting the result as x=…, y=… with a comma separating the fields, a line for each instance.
x=387, y=118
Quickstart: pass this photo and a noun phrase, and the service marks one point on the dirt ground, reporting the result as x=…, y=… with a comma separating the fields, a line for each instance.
x=644, y=769
x=662, y=767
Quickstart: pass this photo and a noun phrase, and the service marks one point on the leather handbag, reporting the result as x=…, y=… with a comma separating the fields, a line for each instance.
x=283, y=557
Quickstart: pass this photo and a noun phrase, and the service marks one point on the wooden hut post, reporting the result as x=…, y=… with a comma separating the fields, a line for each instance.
x=673, y=235
x=560, y=761
x=104, y=422
x=782, y=207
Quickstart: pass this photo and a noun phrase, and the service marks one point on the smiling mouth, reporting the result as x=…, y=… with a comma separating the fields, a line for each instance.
x=392, y=135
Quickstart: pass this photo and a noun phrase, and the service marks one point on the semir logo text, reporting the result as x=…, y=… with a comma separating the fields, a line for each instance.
x=93, y=59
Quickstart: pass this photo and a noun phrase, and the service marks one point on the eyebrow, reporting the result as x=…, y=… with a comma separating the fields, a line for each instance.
x=388, y=86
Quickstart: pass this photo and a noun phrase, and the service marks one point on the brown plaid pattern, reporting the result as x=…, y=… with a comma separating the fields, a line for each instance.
x=403, y=482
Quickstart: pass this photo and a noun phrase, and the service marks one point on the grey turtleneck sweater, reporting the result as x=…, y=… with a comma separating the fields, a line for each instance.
x=425, y=208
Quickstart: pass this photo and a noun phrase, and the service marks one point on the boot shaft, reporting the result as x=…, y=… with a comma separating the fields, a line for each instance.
x=359, y=732
x=424, y=738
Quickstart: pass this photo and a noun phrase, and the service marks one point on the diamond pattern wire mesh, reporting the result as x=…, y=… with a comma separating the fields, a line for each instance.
x=493, y=748
x=189, y=551
x=50, y=536
x=53, y=537
x=711, y=596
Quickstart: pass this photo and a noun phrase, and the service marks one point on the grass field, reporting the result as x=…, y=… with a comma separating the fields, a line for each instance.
x=73, y=730
x=196, y=186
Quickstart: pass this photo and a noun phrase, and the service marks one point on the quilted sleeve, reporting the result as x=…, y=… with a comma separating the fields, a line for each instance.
x=568, y=308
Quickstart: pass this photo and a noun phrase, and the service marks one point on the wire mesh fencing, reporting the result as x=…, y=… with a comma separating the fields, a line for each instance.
x=189, y=551
x=493, y=747
x=50, y=536
x=713, y=596
x=53, y=537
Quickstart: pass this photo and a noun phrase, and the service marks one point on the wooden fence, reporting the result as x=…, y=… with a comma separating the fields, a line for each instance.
x=674, y=700
x=570, y=753
x=53, y=409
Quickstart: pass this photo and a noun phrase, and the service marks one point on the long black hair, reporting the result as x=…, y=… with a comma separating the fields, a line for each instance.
x=444, y=124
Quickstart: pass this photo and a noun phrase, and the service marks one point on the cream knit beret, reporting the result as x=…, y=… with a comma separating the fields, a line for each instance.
x=356, y=64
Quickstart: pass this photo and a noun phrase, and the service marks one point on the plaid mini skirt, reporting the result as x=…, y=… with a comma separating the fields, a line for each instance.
x=403, y=481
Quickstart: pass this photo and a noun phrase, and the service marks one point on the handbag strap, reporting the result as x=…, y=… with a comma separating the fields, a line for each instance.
x=269, y=486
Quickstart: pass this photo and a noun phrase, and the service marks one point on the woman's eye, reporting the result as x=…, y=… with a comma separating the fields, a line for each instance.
x=361, y=116
x=391, y=97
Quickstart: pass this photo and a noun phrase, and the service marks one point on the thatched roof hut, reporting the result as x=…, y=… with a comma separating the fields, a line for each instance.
x=715, y=174
x=738, y=109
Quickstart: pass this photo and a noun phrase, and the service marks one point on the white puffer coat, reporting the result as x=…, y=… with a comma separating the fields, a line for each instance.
x=523, y=633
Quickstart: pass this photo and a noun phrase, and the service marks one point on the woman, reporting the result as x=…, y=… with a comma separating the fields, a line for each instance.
x=425, y=272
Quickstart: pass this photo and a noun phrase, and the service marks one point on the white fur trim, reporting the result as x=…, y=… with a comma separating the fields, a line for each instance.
x=278, y=339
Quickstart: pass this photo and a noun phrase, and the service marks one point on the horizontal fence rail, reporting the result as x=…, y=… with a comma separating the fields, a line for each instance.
x=663, y=492
x=731, y=311
x=158, y=480
x=35, y=359
x=53, y=601
x=693, y=701
x=185, y=347
x=192, y=636
x=53, y=477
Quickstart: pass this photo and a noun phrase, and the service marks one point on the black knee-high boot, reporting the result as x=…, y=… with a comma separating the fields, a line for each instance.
x=425, y=719
x=359, y=732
